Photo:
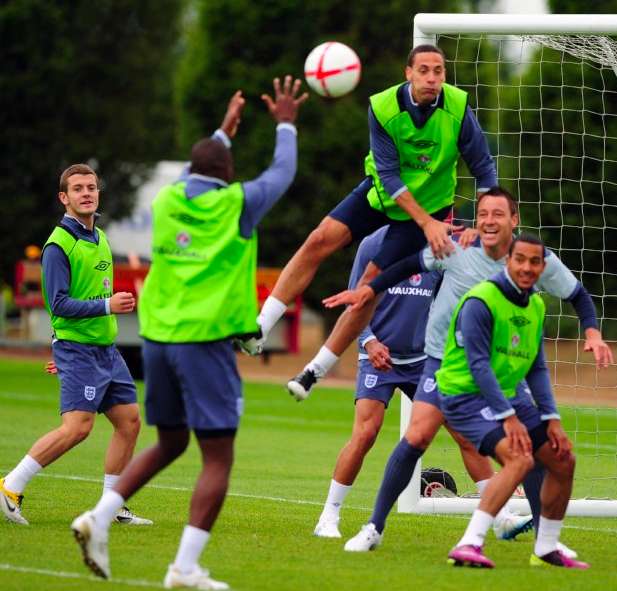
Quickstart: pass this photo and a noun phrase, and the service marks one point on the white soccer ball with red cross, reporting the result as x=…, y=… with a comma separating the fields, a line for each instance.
x=332, y=69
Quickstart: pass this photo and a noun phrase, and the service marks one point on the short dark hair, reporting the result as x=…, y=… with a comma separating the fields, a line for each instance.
x=210, y=157
x=75, y=169
x=498, y=191
x=424, y=48
x=529, y=239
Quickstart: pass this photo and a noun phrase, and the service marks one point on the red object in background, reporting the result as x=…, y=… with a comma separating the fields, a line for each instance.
x=28, y=284
x=130, y=277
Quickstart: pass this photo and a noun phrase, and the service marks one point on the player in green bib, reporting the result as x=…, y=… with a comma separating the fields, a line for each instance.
x=418, y=132
x=199, y=295
x=77, y=285
x=494, y=342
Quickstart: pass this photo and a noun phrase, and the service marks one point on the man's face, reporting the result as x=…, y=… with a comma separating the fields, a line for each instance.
x=82, y=195
x=525, y=264
x=426, y=76
x=495, y=222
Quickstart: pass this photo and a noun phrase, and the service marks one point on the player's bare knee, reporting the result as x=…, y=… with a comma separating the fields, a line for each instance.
x=523, y=464
x=366, y=436
x=130, y=427
x=418, y=438
x=76, y=432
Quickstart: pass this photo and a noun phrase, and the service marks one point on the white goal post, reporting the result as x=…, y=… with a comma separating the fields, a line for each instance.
x=568, y=34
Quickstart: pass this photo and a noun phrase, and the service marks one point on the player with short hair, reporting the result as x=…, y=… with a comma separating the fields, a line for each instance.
x=199, y=294
x=495, y=340
x=497, y=217
x=391, y=355
x=418, y=131
x=77, y=285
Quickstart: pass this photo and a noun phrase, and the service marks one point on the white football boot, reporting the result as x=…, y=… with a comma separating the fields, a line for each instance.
x=327, y=528
x=368, y=538
x=10, y=504
x=92, y=537
x=127, y=517
x=199, y=578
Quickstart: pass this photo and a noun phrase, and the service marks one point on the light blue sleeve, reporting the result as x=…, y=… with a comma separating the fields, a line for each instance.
x=557, y=279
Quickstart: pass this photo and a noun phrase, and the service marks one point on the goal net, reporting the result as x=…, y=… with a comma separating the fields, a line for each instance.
x=548, y=105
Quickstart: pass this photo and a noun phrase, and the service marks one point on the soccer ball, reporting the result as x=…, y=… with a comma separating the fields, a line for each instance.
x=332, y=69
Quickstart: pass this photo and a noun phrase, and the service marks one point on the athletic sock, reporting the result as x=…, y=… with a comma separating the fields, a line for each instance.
x=334, y=502
x=109, y=481
x=397, y=475
x=548, y=535
x=192, y=544
x=475, y=533
x=107, y=507
x=322, y=363
x=17, y=479
x=270, y=314
x=532, y=485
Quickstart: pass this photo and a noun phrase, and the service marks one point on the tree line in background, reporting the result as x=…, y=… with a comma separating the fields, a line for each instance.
x=124, y=83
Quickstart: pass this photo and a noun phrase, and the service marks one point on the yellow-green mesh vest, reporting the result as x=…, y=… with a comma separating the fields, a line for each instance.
x=515, y=342
x=428, y=156
x=92, y=278
x=201, y=285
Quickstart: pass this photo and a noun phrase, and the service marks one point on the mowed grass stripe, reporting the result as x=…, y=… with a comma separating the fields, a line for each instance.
x=259, y=543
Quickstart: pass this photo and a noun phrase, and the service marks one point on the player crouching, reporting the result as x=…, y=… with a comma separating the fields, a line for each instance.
x=494, y=342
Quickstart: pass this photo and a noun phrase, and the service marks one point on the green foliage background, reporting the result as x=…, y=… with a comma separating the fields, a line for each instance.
x=80, y=82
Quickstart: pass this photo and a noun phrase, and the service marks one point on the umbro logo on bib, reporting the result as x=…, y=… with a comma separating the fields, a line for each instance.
x=89, y=392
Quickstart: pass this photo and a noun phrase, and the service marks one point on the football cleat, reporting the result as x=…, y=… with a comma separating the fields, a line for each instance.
x=10, y=503
x=92, y=538
x=327, y=528
x=469, y=555
x=557, y=558
x=198, y=578
x=509, y=527
x=300, y=386
x=126, y=516
x=568, y=552
x=251, y=345
x=368, y=538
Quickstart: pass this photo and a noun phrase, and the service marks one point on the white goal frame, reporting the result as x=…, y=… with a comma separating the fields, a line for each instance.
x=426, y=28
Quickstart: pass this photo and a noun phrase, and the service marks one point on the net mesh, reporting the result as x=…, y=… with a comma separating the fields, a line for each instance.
x=548, y=105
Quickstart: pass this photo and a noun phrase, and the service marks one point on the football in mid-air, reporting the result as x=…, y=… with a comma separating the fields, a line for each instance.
x=332, y=69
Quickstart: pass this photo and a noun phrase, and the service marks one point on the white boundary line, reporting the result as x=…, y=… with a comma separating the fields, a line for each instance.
x=68, y=575
x=607, y=530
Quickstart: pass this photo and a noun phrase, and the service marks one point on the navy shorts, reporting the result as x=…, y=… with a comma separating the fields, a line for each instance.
x=192, y=384
x=427, y=386
x=402, y=239
x=470, y=416
x=373, y=384
x=92, y=378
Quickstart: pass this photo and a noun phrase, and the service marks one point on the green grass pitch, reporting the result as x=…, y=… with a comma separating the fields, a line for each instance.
x=285, y=456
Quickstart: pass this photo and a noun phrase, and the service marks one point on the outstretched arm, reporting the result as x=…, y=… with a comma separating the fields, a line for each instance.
x=264, y=191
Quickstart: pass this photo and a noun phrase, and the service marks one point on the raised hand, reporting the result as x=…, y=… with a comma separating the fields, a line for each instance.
x=286, y=103
x=232, y=116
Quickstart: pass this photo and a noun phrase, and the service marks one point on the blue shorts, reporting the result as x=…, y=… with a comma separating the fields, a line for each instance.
x=92, y=378
x=196, y=385
x=402, y=239
x=427, y=386
x=470, y=416
x=373, y=384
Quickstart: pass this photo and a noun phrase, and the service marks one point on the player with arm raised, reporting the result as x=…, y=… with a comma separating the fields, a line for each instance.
x=497, y=217
x=495, y=340
x=199, y=294
x=391, y=355
x=418, y=131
